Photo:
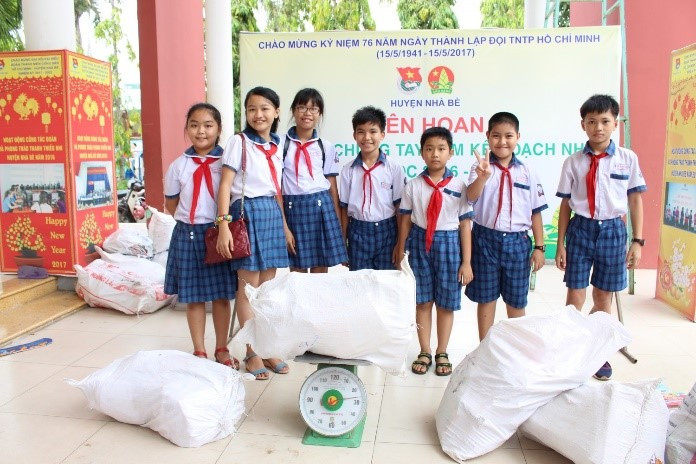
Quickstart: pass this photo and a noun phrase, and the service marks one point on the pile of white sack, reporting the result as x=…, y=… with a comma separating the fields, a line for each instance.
x=160, y=229
x=188, y=400
x=365, y=314
x=522, y=365
x=681, y=432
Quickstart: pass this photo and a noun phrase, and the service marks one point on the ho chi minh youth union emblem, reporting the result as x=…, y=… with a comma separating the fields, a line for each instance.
x=2, y=65
x=409, y=80
x=440, y=79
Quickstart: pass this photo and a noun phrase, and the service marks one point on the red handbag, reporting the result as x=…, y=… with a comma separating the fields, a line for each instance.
x=238, y=229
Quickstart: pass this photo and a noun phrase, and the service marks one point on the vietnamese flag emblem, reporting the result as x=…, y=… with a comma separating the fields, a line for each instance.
x=410, y=79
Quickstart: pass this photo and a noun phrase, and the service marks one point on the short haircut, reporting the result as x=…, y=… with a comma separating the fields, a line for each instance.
x=433, y=132
x=504, y=117
x=600, y=104
x=214, y=112
x=370, y=114
x=268, y=94
x=305, y=96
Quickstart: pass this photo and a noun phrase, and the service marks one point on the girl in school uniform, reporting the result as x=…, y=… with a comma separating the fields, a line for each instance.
x=310, y=195
x=269, y=236
x=190, y=188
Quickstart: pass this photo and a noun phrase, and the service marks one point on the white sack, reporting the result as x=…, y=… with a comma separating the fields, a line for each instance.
x=161, y=259
x=159, y=229
x=681, y=432
x=188, y=400
x=599, y=423
x=129, y=241
x=364, y=314
x=135, y=264
x=520, y=365
x=124, y=287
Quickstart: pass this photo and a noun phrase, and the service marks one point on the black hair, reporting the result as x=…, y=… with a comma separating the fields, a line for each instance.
x=370, y=114
x=440, y=132
x=268, y=94
x=214, y=112
x=599, y=104
x=503, y=117
x=305, y=96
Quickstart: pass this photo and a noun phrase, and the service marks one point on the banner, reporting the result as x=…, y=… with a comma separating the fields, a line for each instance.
x=676, y=268
x=451, y=78
x=55, y=121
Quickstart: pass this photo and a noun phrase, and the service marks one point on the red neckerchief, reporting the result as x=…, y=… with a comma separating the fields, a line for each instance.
x=203, y=170
x=434, y=207
x=269, y=154
x=505, y=173
x=302, y=149
x=591, y=180
x=367, y=177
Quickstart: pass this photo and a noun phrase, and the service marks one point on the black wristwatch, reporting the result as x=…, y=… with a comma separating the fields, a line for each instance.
x=542, y=248
x=639, y=241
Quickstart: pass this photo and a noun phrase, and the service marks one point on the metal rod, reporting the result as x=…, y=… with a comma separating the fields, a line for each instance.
x=624, y=350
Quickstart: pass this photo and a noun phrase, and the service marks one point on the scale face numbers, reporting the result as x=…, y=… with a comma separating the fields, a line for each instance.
x=333, y=401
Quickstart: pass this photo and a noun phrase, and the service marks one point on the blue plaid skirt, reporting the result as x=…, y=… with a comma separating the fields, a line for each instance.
x=188, y=276
x=371, y=244
x=266, y=234
x=318, y=238
x=600, y=245
x=436, y=272
x=500, y=263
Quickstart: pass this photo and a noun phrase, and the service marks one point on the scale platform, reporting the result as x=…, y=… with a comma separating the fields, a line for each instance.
x=333, y=401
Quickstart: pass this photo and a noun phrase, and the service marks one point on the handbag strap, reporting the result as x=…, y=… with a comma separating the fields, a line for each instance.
x=244, y=173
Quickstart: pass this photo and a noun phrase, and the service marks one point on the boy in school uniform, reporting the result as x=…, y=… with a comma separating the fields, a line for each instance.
x=369, y=195
x=597, y=183
x=435, y=228
x=508, y=199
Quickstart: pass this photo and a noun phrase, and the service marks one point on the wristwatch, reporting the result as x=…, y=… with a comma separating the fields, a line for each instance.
x=542, y=248
x=639, y=241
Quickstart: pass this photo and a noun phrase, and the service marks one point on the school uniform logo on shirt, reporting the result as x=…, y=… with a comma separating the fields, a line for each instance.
x=385, y=185
x=540, y=190
x=522, y=179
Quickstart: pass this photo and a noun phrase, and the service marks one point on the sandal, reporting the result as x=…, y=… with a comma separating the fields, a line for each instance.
x=418, y=362
x=256, y=372
x=278, y=368
x=231, y=362
x=447, y=365
x=200, y=354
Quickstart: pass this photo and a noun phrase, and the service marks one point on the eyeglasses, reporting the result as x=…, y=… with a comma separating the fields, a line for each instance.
x=304, y=109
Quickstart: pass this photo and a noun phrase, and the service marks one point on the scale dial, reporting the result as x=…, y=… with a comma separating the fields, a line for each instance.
x=333, y=401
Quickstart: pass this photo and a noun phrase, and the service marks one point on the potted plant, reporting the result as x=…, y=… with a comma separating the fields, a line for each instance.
x=90, y=237
x=22, y=237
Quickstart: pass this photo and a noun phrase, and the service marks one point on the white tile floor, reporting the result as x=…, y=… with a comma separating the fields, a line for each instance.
x=43, y=420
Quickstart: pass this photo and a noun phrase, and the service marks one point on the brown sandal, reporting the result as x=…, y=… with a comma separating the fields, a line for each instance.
x=418, y=362
x=446, y=364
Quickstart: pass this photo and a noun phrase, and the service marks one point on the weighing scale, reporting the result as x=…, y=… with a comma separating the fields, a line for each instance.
x=333, y=401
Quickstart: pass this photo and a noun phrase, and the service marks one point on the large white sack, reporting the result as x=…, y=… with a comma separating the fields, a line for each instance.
x=159, y=228
x=599, y=423
x=154, y=270
x=120, y=286
x=188, y=400
x=681, y=432
x=364, y=314
x=161, y=259
x=129, y=241
x=520, y=365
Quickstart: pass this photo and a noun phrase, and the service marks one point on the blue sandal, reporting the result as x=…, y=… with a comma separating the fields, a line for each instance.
x=278, y=369
x=256, y=372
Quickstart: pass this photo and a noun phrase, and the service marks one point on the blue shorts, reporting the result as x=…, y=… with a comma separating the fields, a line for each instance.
x=371, y=244
x=600, y=245
x=266, y=234
x=436, y=272
x=318, y=237
x=500, y=263
x=188, y=276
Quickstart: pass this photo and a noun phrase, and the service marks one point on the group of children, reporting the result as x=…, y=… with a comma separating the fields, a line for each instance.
x=300, y=216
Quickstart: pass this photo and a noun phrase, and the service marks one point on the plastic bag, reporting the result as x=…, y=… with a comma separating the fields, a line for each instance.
x=154, y=270
x=610, y=422
x=365, y=314
x=520, y=365
x=159, y=229
x=129, y=241
x=681, y=432
x=188, y=400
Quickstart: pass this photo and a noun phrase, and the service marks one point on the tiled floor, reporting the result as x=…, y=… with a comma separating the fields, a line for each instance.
x=43, y=420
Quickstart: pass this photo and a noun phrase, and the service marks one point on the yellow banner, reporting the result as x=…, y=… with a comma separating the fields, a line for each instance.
x=676, y=277
x=31, y=65
x=89, y=70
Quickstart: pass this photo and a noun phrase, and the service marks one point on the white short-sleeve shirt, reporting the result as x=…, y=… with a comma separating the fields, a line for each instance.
x=618, y=175
x=178, y=182
x=388, y=182
x=455, y=208
x=259, y=182
x=300, y=182
x=527, y=198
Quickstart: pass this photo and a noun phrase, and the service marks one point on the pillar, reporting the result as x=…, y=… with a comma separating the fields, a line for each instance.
x=48, y=24
x=218, y=62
